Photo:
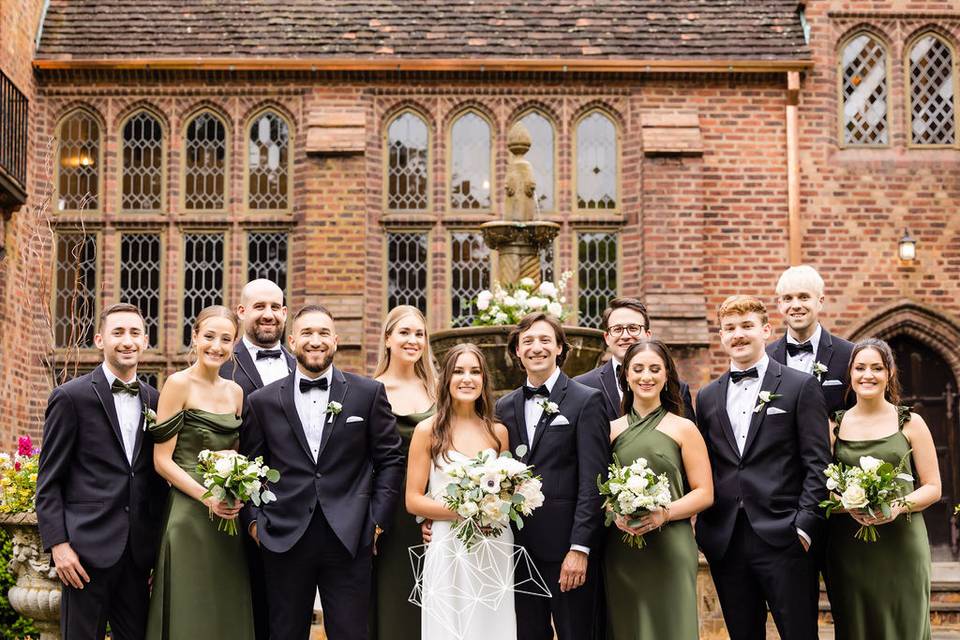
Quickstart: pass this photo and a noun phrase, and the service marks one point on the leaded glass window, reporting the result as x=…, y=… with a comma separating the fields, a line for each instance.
x=268, y=158
x=596, y=275
x=75, y=298
x=267, y=256
x=152, y=378
x=864, y=68
x=933, y=114
x=407, y=163
x=541, y=156
x=407, y=255
x=547, y=263
x=79, y=158
x=469, y=274
x=142, y=163
x=140, y=269
x=596, y=162
x=205, y=166
x=470, y=159
x=202, y=276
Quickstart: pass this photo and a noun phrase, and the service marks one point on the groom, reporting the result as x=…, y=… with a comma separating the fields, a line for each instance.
x=333, y=439
x=562, y=425
x=99, y=501
x=765, y=426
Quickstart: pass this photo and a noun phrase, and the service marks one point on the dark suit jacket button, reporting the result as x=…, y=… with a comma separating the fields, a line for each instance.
x=127, y=509
x=319, y=475
x=132, y=474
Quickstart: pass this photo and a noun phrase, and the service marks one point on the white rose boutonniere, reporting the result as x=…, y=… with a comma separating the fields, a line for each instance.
x=149, y=417
x=765, y=398
x=333, y=409
x=548, y=407
x=818, y=370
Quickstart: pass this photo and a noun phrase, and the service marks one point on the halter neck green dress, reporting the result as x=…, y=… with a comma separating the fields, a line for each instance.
x=394, y=617
x=201, y=587
x=878, y=590
x=652, y=592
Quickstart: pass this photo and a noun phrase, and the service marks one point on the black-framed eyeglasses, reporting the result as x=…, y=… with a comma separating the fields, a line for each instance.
x=634, y=330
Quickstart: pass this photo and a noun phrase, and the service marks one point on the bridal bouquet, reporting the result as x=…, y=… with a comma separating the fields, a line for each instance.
x=230, y=477
x=18, y=477
x=508, y=304
x=632, y=491
x=873, y=487
x=488, y=491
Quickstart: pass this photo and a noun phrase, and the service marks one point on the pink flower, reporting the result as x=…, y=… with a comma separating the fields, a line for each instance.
x=25, y=446
x=16, y=465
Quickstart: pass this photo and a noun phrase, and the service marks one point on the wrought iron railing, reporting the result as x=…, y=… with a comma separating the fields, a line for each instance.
x=14, y=107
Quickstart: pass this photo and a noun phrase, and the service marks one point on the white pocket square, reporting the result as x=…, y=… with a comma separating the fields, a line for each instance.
x=832, y=383
x=560, y=420
x=772, y=411
x=354, y=419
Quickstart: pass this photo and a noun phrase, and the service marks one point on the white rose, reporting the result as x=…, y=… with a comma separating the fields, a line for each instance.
x=490, y=507
x=509, y=301
x=548, y=289
x=555, y=309
x=536, y=302
x=527, y=282
x=532, y=493
x=870, y=464
x=521, y=295
x=831, y=484
x=637, y=483
x=483, y=300
x=854, y=497
x=468, y=510
x=224, y=465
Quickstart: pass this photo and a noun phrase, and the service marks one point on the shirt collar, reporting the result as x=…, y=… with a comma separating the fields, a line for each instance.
x=814, y=339
x=760, y=364
x=110, y=377
x=254, y=349
x=551, y=381
x=328, y=374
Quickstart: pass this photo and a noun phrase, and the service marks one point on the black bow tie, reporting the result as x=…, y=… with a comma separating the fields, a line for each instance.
x=794, y=349
x=529, y=392
x=264, y=354
x=118, y=386
x=737, y=376
x=319, y=383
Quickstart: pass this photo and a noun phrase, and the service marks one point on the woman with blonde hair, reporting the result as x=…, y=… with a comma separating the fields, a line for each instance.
x=406, y=369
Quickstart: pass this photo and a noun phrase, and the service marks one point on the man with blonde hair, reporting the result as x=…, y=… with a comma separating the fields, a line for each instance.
x=765, y=426
x=806, y=345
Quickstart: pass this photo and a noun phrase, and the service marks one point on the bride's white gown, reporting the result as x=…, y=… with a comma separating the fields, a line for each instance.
x=467, y=595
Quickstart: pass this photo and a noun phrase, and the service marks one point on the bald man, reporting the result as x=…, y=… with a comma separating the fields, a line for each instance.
x=259, y=359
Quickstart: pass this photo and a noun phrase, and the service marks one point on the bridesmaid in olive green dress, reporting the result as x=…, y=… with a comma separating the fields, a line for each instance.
x=881, y=590
x=407, y=371
x=201, y=586
x=652, y=592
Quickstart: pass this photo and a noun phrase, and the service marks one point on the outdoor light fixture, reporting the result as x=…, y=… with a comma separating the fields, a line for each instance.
x=907, y=247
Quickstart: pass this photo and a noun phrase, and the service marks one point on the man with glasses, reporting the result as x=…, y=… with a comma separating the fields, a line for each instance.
x=625, y=321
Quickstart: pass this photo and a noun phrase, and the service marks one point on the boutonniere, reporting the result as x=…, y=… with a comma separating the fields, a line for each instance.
x=818, y=370
x=149, y=417
x=333, y=408
x=548, y=407
x=765, y=398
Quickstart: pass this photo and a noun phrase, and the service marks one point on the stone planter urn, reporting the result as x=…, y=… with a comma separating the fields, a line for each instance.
x=36, y=594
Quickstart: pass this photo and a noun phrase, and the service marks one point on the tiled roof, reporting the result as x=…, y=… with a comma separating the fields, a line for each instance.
x=424, y=29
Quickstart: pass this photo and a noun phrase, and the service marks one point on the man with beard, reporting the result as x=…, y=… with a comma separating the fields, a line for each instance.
x=259, y=359
x=334, y=440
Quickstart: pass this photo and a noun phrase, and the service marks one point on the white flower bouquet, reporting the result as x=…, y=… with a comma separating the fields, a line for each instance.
x=508, y=304
x=874, y=487
x=488, y=491
x=232, y=478
x=632, y=491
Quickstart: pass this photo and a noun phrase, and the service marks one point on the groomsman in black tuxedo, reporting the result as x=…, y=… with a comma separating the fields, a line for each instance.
x=625, y=321
x=259, y=359
x=334, y=440
x=563, y=426
x=99, y=501
x=765, y=426
x=807, y=346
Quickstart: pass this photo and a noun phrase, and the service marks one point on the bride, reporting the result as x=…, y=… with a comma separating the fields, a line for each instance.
x=465, y=594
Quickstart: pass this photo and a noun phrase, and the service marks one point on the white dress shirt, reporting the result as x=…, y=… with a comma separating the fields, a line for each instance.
x=742, y=400
x=270, y=369
x=129, y=410
x=803, y=361
x=312, y=409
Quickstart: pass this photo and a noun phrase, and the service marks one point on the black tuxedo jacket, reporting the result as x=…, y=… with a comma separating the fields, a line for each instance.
x=243, y=370
x=357, y=475
x=604, y=379
x=568, y=458
x=779, y=479
x=88, y=494
x=834, y=353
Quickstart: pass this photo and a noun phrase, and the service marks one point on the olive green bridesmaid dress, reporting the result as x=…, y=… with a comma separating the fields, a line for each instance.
x=394, y=617
x=878, y=590
x=652, y=592
x=201, y=587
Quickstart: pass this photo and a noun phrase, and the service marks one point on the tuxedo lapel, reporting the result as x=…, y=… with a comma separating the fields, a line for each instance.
x=144, y=405
x=520, y=415
x=779, y=352
x=246, y=364
x=338, y=390
x=556, y=396
x=771, y=380
x=608, y=380
x=721, y=408
x=824, y=351
x=102, y=389
x=287, y=389
x=291, y=361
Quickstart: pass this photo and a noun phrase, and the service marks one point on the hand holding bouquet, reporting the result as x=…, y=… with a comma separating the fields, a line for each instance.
x=632, y=491
x=231, y=478
x=488, y=491
x=874, y=487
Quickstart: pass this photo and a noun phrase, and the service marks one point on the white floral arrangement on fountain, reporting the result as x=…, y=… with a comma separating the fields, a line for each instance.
x=507, y=304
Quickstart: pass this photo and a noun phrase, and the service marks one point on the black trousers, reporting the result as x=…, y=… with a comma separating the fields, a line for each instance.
x=574, y=613
x=318, y=561
x=118, y=595
x=753, y=575
x=258, y=589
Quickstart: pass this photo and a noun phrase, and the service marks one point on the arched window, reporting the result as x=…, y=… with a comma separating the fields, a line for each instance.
x=78, y=180
x=933, y=115
x=407, y=163
x=142, y=188
x=268, y=162
x=205, y=163
x=541, y=156
x=596, y=162
x=470, y=162
x=864, y=92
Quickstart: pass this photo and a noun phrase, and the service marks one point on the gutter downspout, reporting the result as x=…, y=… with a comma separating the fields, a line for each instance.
x=793, y=166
